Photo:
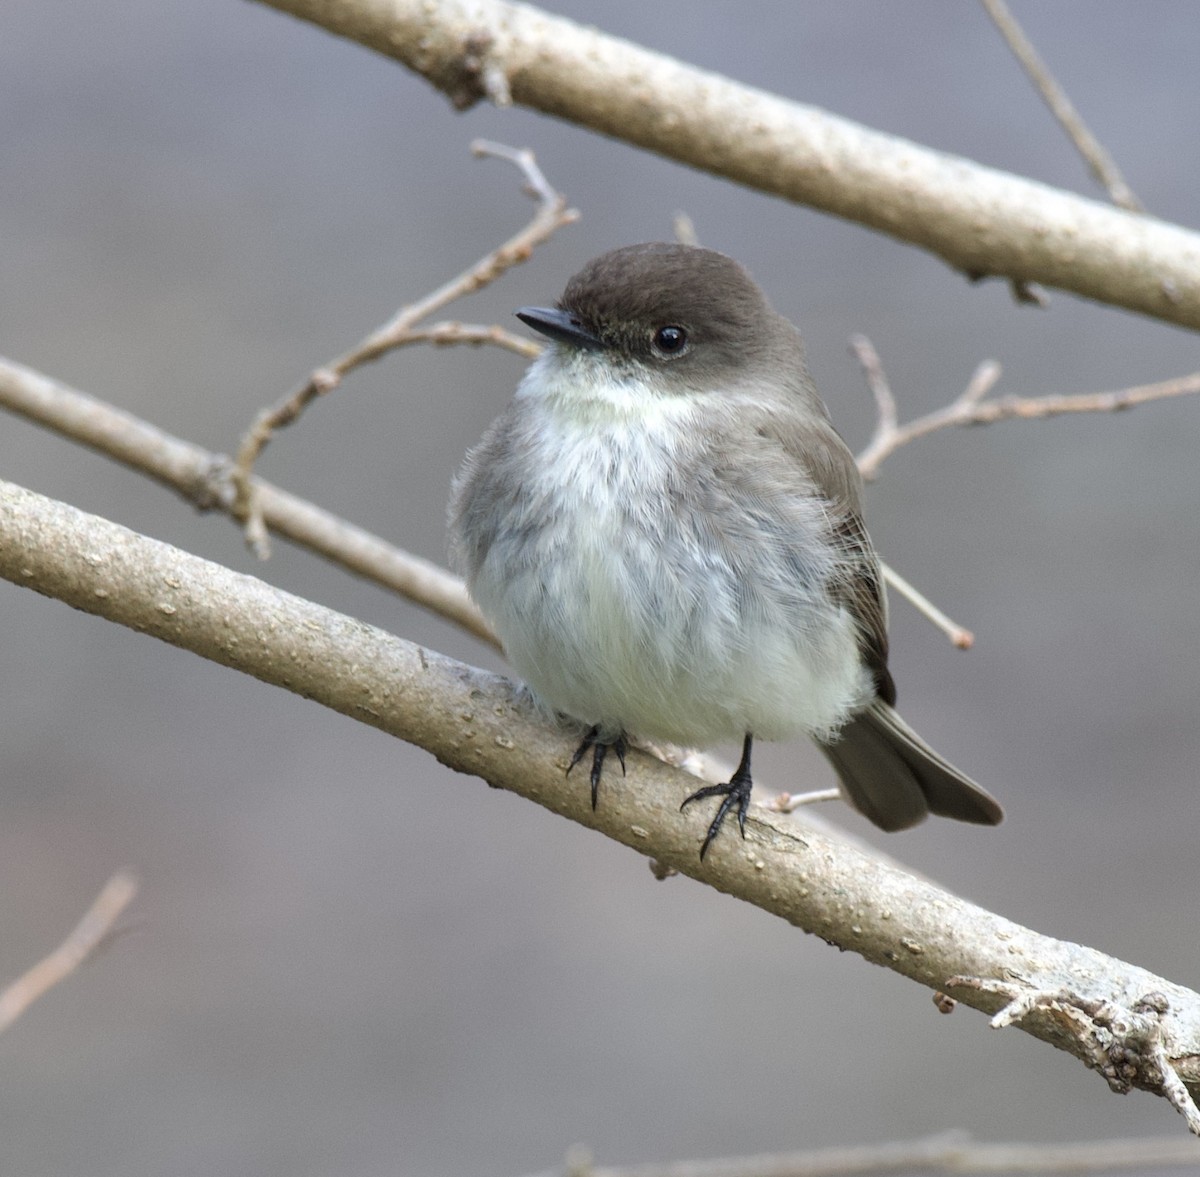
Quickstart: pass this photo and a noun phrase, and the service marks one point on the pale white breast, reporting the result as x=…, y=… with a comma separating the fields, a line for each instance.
x=617, y=606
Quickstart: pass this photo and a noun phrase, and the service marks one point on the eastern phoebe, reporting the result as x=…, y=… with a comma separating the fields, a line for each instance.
x=666, y=532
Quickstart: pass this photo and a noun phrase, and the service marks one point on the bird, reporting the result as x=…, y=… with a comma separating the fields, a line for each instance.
x=666, y=532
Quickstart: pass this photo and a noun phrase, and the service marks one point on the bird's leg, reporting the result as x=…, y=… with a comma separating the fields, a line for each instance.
x=599, y=749
x=736, y=792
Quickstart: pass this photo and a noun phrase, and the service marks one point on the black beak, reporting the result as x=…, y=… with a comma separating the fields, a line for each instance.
x=561, y=326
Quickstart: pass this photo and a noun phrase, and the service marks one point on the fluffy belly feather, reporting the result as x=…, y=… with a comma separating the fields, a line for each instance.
x=624, y=604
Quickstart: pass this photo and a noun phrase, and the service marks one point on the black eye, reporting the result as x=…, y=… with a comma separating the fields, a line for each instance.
x=670, y=340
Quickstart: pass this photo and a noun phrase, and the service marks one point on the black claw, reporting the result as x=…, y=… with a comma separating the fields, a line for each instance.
x=736, y=792
x=599, y=749
x=598, y=753
x=620, y=747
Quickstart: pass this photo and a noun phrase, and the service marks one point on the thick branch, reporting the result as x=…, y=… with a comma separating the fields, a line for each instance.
x=204, y=479
x=475, y=723
x=979, y=220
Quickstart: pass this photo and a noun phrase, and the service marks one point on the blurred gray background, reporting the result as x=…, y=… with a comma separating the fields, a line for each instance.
x=350, y=960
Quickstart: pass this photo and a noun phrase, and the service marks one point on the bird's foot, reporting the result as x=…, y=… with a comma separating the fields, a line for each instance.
x=736, y=792
x=599, y=749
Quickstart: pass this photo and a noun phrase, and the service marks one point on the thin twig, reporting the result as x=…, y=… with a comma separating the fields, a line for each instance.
x=475, y=335
x=92, y=932
x=790, y=802
x=886, y=423
x=886, y=412
x=551, y=215
x=951, y=1152
x=685, y=229
x=203, y=479
x=1102, y=165
x=963, y=638
x=973, y=408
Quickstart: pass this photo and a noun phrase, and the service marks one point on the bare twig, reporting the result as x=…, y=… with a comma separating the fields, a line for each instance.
x=961, y=637
x=92, y=932
x=951, y=1152
x=790, y=802
x=1097, y=158
x=203, y=479
x=887, y=415
x=551, y=215
x=448, y=333
x=685, y=229
x=887, y=421
x=1122, y=1039
x=973, y=408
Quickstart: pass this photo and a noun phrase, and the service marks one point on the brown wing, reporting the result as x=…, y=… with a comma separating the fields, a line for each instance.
x=817, y=447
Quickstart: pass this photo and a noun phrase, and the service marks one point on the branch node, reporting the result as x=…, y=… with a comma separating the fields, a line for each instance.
x=1124, y=1043
x=211, y=487
x=324, y=380
x=1028, y=293
x=476, y=75
x=944, y=1003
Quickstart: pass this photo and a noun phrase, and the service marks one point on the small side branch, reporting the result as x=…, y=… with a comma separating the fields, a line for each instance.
x=950, y=1152
x=1124, y=1043
x=1102, y=165
x=961, y=637
x=204, y=480
x=95, y=930
x=974, y=407
x=401, y=330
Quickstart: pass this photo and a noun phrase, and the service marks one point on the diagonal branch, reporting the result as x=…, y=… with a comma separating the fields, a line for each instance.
x=478, y=723
x=1103, y=166
x=401, y=330
x=91, y=933
x=979, y=220
x=973, y=406
x=951, y=1152
x=203, y=479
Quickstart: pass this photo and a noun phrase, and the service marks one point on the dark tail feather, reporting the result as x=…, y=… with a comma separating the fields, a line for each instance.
x=893, y=778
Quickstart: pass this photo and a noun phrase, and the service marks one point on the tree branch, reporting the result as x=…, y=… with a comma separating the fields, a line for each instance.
x=981, y=221
x=90, y=934
x=951, y=1152
x=973, y=406
x=477, y=723
x=1102, y=165
x=204, y=479
x=401, y=330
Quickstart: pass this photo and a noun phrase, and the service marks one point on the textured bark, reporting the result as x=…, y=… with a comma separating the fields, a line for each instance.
x=477, y=723
x=982, y=221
